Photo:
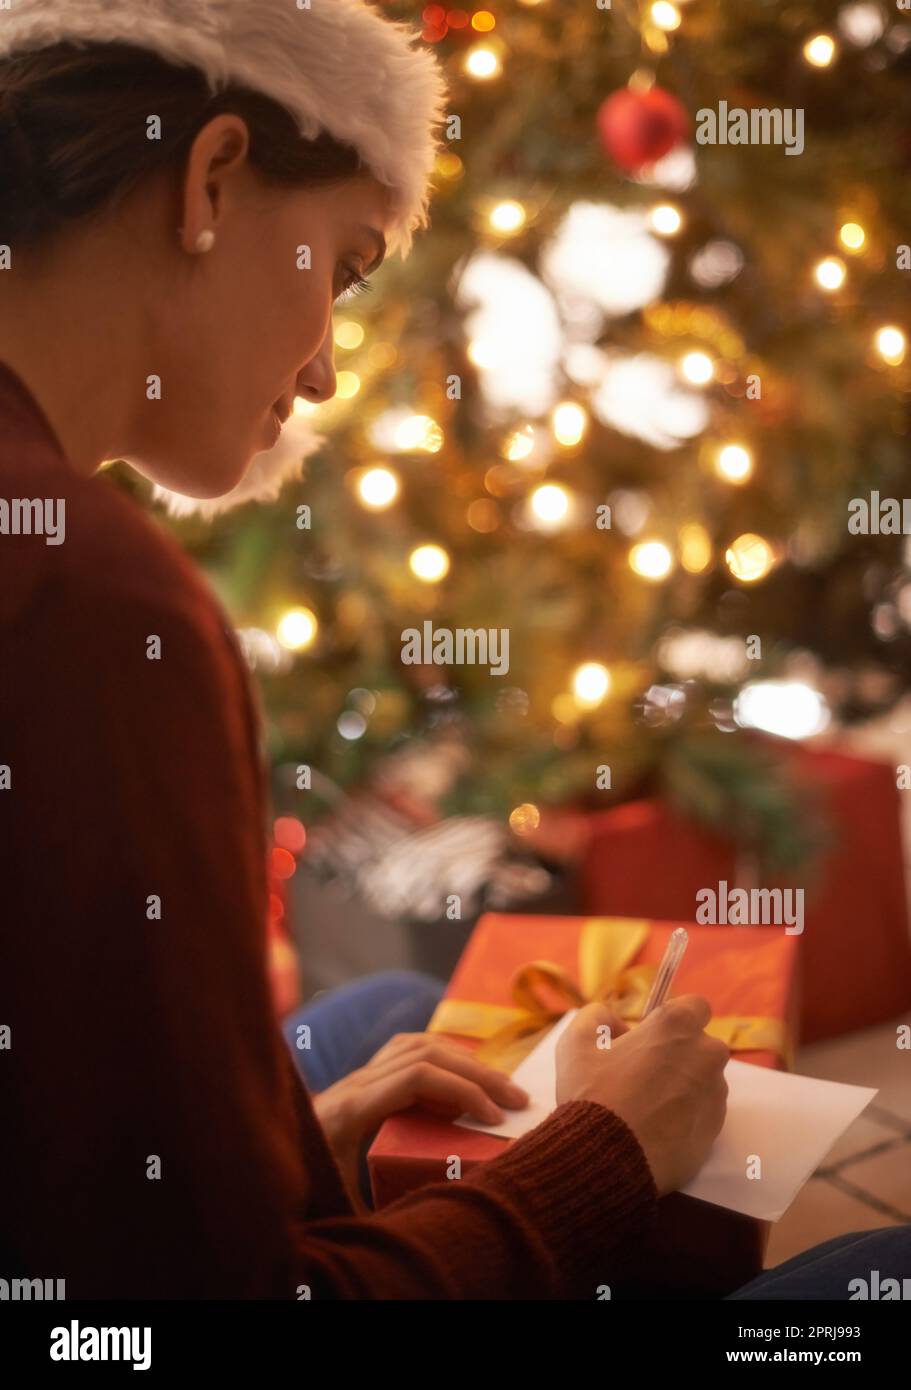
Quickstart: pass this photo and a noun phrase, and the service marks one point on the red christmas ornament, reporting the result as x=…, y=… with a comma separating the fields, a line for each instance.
x=636, y=128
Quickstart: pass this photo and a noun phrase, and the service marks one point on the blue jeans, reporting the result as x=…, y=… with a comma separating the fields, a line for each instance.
x=350, y=1024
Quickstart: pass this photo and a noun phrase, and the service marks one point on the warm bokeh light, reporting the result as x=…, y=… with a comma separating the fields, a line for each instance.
x=348, y=333
x=550, y=502
x=289, y=833
x=484, y=353
x=508, y=216
x=519, y=444
x=296, y=629
x=301, y=406
x=695, y=548
x=852, y=236
x=378, y=488
x=347, y=384
x=569, y=422
x=513, y=331
x=820, y=50
x=564, y=709
x=697, y=368
x=381, y=355
x=890, y=344
x=665, y=219
x=483, y=21
x=734, y=463
x=429, y=563
x=665, y=15
x=790, y=709
x=524, y=819
x=448, y=165
x=419, y=432
x=481, y=62
x=830, y=273
x=650, y=560
x=591, y=682
x=482, y=515
x=282, y=863
x=749, y=558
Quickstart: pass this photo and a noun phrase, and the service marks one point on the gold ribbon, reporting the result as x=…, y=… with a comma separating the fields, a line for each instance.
x=607, y=947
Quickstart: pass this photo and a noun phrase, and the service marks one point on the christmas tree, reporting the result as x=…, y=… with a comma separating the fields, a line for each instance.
x=616, y=404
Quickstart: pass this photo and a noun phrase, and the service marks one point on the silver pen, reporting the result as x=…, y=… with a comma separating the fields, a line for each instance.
x=667, y=969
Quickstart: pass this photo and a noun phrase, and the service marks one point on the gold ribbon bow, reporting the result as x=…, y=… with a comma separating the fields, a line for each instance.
x=607, y=947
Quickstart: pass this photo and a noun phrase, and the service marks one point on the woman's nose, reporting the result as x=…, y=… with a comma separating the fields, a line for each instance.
x=316, y=382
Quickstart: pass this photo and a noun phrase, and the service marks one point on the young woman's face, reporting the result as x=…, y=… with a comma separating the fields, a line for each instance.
x=237, y=332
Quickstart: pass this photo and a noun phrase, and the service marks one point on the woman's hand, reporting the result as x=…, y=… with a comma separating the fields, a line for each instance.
x=665, y=1080
x=411, y=1068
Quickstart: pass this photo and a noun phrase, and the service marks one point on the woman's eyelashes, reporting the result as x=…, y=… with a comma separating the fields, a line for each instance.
x=355, y=283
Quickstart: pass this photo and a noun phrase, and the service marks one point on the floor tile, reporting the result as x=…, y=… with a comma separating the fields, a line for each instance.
x=868, y=1058
x=887, y=1175
x=819, y=1212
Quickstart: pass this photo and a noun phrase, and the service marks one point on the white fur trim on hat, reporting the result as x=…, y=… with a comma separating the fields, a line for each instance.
x=335, y=65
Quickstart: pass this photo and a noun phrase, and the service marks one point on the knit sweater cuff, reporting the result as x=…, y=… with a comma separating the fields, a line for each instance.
x=582, y=1178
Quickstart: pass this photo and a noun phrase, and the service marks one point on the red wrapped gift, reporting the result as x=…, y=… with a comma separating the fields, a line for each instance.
x=748, y=975
x=645, y=858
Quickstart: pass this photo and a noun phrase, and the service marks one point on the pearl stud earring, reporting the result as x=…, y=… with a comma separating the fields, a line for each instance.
x=205, y=241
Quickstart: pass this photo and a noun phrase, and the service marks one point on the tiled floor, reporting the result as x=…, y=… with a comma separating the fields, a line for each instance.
x=865, y=1180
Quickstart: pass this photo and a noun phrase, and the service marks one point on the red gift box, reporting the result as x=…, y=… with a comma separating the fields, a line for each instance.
x=748, y=971
x=645, y=859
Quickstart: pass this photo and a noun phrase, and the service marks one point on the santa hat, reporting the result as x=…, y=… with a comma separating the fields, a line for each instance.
x=335, y=65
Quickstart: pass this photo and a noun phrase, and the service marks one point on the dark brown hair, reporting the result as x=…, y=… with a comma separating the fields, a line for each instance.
x=73, y=124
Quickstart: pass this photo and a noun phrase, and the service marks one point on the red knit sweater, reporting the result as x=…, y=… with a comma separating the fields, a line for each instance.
x=143, y=1044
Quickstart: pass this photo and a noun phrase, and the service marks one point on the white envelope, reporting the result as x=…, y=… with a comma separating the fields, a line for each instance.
x=787, y=1122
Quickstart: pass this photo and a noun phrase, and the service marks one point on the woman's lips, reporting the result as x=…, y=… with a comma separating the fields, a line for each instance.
x=275, y=424
x=278, y=414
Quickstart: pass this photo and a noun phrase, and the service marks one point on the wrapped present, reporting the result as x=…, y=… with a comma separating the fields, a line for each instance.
x=519, y=974
x=647, y=859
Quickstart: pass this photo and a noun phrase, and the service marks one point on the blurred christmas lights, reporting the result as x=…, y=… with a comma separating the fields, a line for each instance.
x=697, y=368
x=297, y=629
x=695, y=548
x=481, y=62
x=820, y=50
x=419, y=432
x=734, y=463
x=569, y=422
x=852, y=236
x=650, y=560
x=890, y=343
x=665, y=219
x=429, y=563
x=749, y=558
x=378, y=488
x=550, y=503
x=507, y=216
x=830, y=273
x=591, y=682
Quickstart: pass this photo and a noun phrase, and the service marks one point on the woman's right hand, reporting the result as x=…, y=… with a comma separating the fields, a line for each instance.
x=664, y=1078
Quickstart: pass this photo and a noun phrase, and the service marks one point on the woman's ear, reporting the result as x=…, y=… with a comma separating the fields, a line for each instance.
x=217, y=154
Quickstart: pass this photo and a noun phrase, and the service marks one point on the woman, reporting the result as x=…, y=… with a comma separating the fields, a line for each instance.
x=185, y=189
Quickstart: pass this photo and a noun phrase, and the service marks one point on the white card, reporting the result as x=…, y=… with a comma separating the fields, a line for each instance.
x=788, y=1122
